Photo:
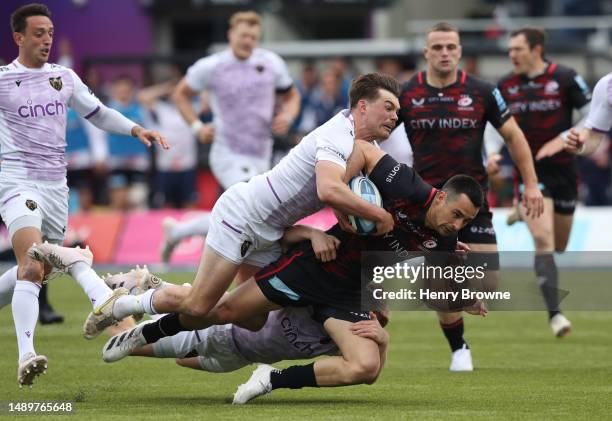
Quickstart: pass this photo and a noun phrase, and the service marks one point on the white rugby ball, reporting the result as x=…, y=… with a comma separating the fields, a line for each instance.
x=367, y=190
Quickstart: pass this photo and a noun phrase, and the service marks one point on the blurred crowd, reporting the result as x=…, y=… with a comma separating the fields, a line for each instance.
x=106, y=170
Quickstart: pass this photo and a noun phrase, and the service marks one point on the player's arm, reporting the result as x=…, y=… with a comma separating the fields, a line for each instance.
x=333, y=191
x=89, y=107
x=323, y=245
x=182, y=95
x=583, y=142
x=373, y=330
x=290, y=108
x=521, y=155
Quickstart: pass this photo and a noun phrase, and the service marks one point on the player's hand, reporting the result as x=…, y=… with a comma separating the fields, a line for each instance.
x=206, y=133
x=371, y=329
x=533, y=201
x=477, y=309
x=344, y=222
x=281, y=124
x=323, y=245
x=149, y=136
x=493, y=166
x=385, y=224
x=574, y=142
x=550, y=148
x=382, y=316
x=462, y=247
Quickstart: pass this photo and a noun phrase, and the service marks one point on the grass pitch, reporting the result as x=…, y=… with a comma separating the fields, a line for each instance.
x=522, y=372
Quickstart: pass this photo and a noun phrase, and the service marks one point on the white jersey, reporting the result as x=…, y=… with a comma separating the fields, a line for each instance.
x=33, y=109
x=288, y=192
x=242, y=95
x=600, y=113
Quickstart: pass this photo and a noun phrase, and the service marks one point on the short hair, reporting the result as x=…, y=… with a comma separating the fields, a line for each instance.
x=19, y=16
x=534, y=36
x=443, y=27
x=123, y=77
x=464, y=184
x=250, y=17
x=367, y=87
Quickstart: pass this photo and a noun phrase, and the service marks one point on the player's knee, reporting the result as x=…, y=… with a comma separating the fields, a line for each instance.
x=223, y=313
x=31, y=271
x=364, y=370
x=543, y=241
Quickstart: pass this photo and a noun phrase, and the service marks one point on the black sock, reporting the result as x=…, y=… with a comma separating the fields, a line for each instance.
x=454, y=334
x=294, y=377
x=169, y=325
x=43, y=301
x=548, y=279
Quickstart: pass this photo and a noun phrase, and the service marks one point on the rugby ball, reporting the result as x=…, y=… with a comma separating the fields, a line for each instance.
x=366, y=189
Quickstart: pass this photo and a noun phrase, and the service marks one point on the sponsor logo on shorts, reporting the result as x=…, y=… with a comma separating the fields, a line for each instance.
x=292, y=334
x=56, y=83
x=30, y=204
x=245, y=247
x=393, y=173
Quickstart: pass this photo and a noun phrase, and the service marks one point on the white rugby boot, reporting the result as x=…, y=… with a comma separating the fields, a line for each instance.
x=461, y=360
x=122, y=344
x=136, y=281
x=168, y=245
x=259, y=384
x=60, y=258
x=102, y=316
x=31, y=366
x=560, y=326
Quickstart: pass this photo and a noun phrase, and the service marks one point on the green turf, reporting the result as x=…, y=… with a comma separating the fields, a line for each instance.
x=522, y=372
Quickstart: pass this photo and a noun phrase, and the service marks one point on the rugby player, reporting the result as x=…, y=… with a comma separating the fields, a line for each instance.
x=34, y=100
x=542, y=96
x=426, y=219
x=444, y=111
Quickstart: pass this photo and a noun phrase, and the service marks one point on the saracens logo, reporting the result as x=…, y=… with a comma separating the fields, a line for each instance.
x=551, y=87
x=430, y=244
x=56, y=83
x=465, y=101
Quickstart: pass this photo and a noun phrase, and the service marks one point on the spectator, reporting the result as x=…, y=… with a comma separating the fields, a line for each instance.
x=128, y=160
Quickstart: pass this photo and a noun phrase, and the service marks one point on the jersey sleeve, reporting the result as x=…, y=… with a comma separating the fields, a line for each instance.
x=83, y=100
x=199, y=74
x=600, y=114
x=336, y=151
x=399, y=181
x=578, y=91
x=283, y=81
x=496, y=109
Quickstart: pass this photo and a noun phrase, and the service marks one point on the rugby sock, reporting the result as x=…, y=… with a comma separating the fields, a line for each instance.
x=168, y=325
x=128, y=305
x=548, y=279
x=25, y=315
x=92, y=284
x=196, y=226
x=147, y=301
x=7, y=286
x=454, y=334
x=294, y=377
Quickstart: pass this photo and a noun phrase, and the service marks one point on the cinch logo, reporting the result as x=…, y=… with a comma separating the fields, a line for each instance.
x=39, y=110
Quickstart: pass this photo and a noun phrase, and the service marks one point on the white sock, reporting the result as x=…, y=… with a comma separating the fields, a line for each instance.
x=7, y=286
x=128, y=305
x=25, y=315
x=196, y=226
x=92, y=284
x=147, y=301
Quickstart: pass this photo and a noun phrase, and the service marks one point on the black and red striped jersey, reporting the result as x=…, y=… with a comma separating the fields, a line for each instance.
x=543, y=105
x=445, y=126
x=407, y=198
